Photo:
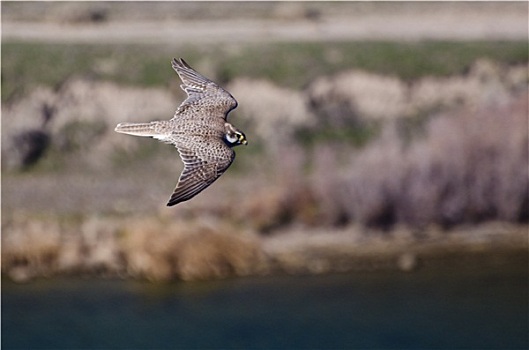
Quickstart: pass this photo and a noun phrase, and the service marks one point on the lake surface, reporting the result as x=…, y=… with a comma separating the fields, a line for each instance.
x=440, y=308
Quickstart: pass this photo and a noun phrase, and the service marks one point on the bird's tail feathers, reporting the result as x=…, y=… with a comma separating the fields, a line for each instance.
x=138, y=129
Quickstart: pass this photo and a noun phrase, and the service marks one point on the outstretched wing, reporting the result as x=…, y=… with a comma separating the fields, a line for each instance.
x=202, y=93
x=202, y=166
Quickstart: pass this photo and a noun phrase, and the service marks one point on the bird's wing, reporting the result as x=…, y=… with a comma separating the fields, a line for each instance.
x=203, y=164
x=202, y=93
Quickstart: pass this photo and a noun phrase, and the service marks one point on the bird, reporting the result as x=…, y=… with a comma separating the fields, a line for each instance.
x=199, y=130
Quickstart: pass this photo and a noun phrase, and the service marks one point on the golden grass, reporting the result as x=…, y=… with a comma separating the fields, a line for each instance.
x=161, y=249
x=151, y=248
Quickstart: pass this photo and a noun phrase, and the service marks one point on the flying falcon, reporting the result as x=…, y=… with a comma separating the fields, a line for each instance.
x=199, y=130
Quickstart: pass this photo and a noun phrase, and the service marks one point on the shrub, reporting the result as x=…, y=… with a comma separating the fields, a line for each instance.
x=468, y=167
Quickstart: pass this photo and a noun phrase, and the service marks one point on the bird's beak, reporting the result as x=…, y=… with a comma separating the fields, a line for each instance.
x=242, y=139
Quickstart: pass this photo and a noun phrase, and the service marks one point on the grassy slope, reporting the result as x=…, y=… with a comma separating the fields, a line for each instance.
x=293, y=65
x=289, y=64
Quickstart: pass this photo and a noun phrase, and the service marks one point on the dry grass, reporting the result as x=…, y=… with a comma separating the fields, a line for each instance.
x=151, y=248
x=161, y=250
x=29, y=248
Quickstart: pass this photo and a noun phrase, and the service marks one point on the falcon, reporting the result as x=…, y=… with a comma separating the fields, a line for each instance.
x=199, y=130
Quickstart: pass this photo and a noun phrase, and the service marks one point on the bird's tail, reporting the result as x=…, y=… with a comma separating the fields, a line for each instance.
x=138, y=129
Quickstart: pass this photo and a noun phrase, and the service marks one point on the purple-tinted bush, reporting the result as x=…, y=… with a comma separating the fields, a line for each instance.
x=469, y=166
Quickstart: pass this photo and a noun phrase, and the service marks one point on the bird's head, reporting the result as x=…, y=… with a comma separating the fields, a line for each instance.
x=233, y=136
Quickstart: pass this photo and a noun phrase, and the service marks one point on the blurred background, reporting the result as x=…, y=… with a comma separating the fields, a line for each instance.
x=387, y=163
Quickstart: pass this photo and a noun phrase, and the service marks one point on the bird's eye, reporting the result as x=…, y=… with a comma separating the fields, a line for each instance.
x=232, y=138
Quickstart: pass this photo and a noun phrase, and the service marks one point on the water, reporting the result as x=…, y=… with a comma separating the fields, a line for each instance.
x=444, y=308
